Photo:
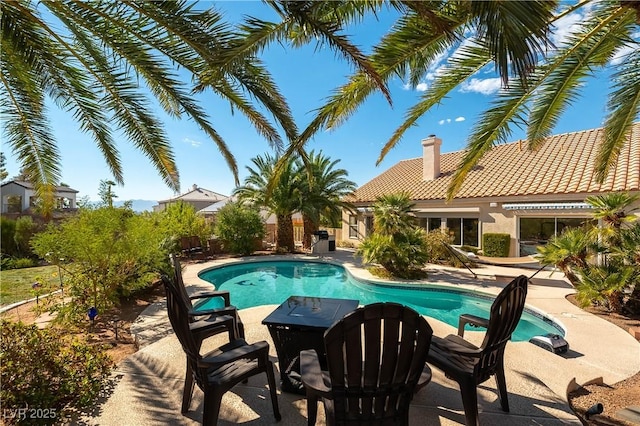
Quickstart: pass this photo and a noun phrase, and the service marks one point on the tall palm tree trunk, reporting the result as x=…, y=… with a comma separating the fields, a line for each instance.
x=284, y=233
x=310, y=226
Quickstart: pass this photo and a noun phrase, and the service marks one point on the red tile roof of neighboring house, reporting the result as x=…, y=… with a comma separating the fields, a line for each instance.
x=562, y=165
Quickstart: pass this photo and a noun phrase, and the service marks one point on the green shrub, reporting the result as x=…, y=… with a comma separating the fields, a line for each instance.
x=45, y=369
x=7, y=233
x=19, y=263
x=436, y=246
x=403, y=254
x=496, y=245
x=110, y=253
x=26, y=228
x=240, y=228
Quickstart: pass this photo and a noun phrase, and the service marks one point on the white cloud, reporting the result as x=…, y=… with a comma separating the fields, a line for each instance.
x=406, y=86
x=192, y=142
x=422, y=87
x=459, y=119
x=565, y=26
x=485, y=86
x=441, y=122
x=620, y=55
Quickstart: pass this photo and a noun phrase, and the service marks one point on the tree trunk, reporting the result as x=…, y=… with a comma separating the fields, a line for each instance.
x=309, y=228
x=284, y=237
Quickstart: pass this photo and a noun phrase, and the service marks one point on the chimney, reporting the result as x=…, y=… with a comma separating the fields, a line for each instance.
x=431, y=157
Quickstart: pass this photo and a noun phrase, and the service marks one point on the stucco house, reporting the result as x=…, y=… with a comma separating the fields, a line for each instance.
x=199, y=198
x=530, y=195
x=19, y=196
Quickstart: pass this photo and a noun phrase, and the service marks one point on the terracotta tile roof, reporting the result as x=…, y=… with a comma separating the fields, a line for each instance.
x=562, y=165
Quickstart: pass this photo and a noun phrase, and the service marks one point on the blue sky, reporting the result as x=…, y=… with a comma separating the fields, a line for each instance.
x=306, y=77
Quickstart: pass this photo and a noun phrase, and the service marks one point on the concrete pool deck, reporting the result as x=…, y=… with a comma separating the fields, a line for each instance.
x=145, y=388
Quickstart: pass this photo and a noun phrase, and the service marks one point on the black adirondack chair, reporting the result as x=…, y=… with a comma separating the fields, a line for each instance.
x=470, y=365
x=219, y=370
x=376, y=359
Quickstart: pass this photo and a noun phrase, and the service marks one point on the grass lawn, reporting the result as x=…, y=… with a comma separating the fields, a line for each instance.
x=16, y=284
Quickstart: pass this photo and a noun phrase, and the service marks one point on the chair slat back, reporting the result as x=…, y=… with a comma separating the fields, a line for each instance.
x=505, y=314
x=179, y=317
x=375, y=356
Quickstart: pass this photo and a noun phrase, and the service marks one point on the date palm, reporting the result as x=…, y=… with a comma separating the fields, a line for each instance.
x=279, y=195
x=322, y=188
x=92, y=59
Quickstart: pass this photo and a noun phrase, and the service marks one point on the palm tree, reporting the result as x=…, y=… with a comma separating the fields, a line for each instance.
x=322, y=188
x=280, y=196
x=568, y=251
x=91, y=57
x=512, y=36
x=397, y=244
x=391, y=213
x=613, y=208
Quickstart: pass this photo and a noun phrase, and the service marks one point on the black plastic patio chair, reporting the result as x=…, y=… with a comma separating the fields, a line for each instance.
x=199, y=303
x=470, y=365
x=217, y=371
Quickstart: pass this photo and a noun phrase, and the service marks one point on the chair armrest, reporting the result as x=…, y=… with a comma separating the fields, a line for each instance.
x=456, y=345
x=208, y=294
x=424, y=379
x=233, y=351
x=472, y=320
x=229, y=310
x=214, y=325
x=313, y=378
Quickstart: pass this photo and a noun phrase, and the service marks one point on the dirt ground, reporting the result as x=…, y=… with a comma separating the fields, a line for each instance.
x=613, y=396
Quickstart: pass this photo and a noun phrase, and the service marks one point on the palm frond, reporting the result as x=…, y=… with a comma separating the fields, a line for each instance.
x=467, y=61
x=624, y=107
x=589, y=48
x=516, y=32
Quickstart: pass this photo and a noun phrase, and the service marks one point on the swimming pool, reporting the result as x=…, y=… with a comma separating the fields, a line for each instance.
x=271, y=282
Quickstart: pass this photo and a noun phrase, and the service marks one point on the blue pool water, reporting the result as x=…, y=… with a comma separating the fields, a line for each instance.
x=271, y=282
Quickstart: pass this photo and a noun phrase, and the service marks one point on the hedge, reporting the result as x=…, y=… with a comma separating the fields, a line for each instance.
x=496, y=245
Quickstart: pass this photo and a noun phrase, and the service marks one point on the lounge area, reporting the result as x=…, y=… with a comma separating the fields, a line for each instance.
x=147, y=387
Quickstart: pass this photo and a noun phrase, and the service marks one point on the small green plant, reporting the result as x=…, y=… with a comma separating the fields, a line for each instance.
x=496, y=245
x=44, y=368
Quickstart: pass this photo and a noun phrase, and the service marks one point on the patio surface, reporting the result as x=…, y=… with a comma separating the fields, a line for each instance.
x=146, y=388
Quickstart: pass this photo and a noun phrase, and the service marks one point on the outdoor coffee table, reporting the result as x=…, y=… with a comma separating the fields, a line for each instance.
x=299, y=323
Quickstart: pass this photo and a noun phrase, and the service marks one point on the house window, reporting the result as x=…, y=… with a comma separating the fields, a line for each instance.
x=430, y=223
x=368, y=225
x=536, y=231
x=353, y=226
x=464, y=231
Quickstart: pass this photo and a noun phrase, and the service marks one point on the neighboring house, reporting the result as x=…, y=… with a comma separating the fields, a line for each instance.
x=199, y=198
x=19, y=196
x=531, y=195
